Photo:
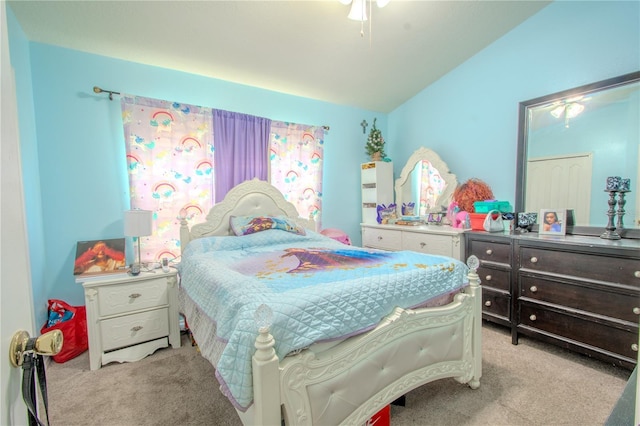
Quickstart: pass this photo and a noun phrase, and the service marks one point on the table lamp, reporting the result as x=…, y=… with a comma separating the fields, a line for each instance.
x=137, y=223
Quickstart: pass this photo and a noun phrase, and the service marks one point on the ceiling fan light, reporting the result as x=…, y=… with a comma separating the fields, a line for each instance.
x=573, y=109
x=558, y=111
x=345, y=2
x=358, y=10
x=382, y=3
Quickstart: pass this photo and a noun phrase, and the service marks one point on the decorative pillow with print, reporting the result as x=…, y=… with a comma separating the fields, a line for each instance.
x=245, y=225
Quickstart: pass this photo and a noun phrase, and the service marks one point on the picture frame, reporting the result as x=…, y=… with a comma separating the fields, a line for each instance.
x=552, y=222
x=100, y=257
x=435, y=218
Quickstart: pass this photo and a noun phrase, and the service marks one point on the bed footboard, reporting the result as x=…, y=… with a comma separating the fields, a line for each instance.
x=350, y=382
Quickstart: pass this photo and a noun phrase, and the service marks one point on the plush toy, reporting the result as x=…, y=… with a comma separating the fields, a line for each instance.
x=457, y=217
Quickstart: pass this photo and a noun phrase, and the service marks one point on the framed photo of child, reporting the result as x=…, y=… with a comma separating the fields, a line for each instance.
x=552, y=222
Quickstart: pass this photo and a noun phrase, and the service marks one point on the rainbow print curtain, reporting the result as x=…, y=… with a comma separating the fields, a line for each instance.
x=296, y=153
x=170, y=162
x=169, y=148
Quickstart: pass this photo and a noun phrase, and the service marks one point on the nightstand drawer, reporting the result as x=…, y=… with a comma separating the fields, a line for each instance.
x=132, y=329
x=118, y=299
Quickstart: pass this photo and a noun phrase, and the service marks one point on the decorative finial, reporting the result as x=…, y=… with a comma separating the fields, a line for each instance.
x=263, y=317
x=473, y=263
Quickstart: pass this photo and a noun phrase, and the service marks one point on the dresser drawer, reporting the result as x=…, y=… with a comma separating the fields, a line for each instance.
x=581, y=331
x=496, y=278
x=491, y=251
x=132, y=329
x=428, y=243
x=590, y=266
x=382, y=238
x=495, y=303
x=602, y=300
x=118, y=299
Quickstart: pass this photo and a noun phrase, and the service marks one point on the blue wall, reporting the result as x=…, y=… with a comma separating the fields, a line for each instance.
x=76, y=156
x=73, y=148
x=21, y=63
x=470, y=116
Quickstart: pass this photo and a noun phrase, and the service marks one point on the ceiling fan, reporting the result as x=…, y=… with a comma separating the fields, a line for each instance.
x=358, y=11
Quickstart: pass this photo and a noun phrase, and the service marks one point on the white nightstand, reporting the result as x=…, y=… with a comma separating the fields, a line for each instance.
x=131, y=317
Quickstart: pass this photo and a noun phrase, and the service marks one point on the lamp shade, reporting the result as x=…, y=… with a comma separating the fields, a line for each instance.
x=137, y=223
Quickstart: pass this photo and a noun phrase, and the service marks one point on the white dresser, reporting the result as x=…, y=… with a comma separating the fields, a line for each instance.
x=430, y=239
x=131, y=317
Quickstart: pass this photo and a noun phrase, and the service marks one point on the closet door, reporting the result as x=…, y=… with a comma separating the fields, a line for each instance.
x=549, y=180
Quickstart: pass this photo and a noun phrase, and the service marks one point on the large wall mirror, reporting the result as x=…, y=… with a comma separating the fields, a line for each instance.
x=426, y=182
x=570, y=142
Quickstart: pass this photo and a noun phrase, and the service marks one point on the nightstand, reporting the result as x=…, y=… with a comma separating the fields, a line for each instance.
x=131, y=317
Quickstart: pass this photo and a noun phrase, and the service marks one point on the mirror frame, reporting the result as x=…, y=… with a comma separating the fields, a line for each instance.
x=521, y=159
x=420, y=155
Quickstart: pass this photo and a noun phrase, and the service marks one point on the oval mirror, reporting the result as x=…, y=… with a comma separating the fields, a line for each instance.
x=426, y=182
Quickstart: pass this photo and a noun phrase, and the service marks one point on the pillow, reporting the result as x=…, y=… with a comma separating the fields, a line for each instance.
x=245, y=225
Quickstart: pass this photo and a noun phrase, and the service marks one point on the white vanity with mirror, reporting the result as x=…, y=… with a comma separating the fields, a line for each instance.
x=426, y=182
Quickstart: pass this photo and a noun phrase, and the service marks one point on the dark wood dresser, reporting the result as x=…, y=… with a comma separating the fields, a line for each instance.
x=495, y=254
x=581, y=293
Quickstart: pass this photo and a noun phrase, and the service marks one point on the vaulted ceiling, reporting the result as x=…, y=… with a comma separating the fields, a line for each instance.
x=303, y=48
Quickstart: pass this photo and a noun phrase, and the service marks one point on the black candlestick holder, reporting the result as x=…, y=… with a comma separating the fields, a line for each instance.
x=610, y=230
x=621, y=203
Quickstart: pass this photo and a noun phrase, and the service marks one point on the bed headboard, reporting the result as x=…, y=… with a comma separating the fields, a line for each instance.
x=252, y=197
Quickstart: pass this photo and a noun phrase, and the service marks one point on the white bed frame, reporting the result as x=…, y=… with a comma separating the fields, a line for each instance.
x=351, y=381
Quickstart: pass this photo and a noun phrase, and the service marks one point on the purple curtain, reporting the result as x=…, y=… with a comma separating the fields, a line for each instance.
x=241, y=144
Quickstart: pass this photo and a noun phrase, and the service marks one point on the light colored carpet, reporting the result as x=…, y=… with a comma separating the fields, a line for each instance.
x=526, y=384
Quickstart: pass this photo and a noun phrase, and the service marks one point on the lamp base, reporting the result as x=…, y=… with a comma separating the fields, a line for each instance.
x=135, y=269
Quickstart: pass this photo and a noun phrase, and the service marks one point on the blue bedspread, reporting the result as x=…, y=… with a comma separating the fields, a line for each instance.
x=317, y=288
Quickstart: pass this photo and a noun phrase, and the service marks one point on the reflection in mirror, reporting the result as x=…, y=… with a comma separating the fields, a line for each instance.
x=571, y=141
x=425, y=181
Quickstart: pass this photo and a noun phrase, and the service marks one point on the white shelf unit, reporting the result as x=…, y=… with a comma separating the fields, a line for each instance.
x=377, y=188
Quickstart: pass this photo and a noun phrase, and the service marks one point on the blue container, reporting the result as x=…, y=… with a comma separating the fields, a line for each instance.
x=487, y=206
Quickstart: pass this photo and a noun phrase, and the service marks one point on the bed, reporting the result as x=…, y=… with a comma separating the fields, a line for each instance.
x=293, y=344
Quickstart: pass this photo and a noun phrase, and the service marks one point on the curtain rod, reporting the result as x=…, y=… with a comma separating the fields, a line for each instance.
x=97, y=89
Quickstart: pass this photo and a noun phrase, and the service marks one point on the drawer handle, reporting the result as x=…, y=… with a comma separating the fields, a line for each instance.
x=634, y=347
x=379, y=238
x=422, y=245
x=636, y=274
x=489, y=252
x=533, y=289
x=534, y=260
x=488, y=278
x=636, y=310
x=533, y=317
x=134, y=295
x=487, y=303
x=137, y=328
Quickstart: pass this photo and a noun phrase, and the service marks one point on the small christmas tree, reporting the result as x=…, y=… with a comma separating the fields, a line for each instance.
x=375, y=142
